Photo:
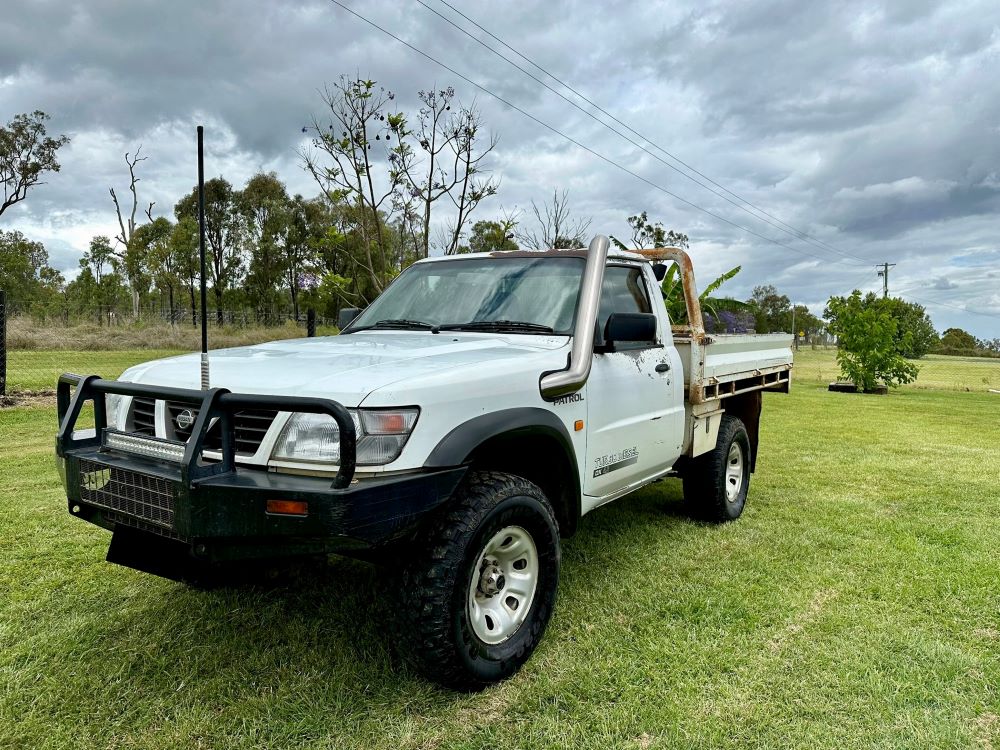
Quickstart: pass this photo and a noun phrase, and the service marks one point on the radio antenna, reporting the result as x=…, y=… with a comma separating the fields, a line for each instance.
x=201, y=251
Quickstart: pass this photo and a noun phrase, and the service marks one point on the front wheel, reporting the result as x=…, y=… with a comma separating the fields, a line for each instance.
x=481, y=584
x=716, y=483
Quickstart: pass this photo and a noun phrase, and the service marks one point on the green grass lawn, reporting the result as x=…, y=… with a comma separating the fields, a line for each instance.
x=856, y=604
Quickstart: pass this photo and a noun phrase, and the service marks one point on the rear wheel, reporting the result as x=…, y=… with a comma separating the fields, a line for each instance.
x=480, y=586
x=716, y=483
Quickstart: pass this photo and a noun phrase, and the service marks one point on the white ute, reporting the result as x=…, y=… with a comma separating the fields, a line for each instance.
x=457, y=427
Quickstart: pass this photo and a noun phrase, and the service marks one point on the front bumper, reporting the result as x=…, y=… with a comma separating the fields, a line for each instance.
x=217, y=511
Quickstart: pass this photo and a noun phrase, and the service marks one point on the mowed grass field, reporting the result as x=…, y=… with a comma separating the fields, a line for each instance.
x=937, y=371
x=855, y=604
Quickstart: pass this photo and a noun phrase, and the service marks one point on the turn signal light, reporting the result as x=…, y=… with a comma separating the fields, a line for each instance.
x=578, y=425
x=288, y=507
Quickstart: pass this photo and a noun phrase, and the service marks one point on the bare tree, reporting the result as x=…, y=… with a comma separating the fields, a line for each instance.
x=453, y=152
x=25, y=155
x=130, y=254
x=360, y=118
x=556, y=229
x=473, y=190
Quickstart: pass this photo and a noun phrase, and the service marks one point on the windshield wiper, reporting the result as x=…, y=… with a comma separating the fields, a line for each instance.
x=402, y=323
x=498, y=325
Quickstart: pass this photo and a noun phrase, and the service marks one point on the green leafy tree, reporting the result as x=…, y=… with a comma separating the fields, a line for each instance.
x=990, y=345
x=223, y=234
x=957, y=338
x=155, y=239
x=344, y=165
x=308, y=224
x=868, y=343
x=50, y=299
x=23, y=263
x=98, y=289
x=806, y=322
x=492, y=236
x=772, y=311
x=265, y=208
x=26, y=154
x=185, y=259
x=913, y=325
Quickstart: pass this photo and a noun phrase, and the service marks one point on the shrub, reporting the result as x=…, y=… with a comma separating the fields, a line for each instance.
x=869, y=343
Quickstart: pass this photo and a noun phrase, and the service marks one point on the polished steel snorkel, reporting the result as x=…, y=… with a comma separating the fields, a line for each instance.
x=556, y=384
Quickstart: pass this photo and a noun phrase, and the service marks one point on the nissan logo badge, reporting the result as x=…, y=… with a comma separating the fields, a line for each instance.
x=184, y=420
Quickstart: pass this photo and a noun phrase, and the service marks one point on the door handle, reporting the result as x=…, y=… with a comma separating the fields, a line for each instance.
x=663, y=367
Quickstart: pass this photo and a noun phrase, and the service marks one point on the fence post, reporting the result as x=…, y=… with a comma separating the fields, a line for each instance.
x=3, y=343
x=310, y=322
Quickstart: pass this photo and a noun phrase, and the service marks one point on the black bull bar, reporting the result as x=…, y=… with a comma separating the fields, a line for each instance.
x=168, y=514
x=213, y=404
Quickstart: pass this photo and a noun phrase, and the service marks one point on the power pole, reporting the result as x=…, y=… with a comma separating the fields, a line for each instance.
x=884, y=273
x=795, y=332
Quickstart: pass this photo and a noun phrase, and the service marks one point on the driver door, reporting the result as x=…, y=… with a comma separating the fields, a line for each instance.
x=635, y=403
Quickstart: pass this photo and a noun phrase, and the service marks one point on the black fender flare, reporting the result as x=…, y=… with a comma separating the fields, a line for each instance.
x=458, y=445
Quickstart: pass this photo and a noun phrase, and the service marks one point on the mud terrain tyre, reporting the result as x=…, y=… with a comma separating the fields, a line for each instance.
x=481, y=583
x=716, y=483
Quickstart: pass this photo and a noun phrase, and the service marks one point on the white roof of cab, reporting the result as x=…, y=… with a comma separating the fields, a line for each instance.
x=576, y=253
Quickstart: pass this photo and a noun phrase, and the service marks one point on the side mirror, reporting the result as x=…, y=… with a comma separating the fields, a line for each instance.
x=638, y=328
x=659, y=271
x=346, y=315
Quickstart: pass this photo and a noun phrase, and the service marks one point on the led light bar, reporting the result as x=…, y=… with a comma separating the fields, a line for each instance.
x=164, y=450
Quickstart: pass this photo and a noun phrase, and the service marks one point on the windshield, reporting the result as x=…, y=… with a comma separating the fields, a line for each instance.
x=520, y=295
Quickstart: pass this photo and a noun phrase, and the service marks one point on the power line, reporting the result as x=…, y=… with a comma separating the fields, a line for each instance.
x=575, y=142
x=948, y=304
x=743, y=205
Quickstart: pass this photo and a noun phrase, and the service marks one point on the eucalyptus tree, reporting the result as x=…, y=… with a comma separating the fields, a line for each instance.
x=131, y=255
x=223, y=235
x=265, y=208
x=441, y=156
x=26, y=154
x=350, y=161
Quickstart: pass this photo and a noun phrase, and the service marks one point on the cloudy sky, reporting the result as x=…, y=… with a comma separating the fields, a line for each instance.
x=874, y=128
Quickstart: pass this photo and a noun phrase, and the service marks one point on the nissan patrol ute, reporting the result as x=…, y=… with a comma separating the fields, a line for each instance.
x=460, y=426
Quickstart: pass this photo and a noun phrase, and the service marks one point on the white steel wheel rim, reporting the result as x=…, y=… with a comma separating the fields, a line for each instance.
x=504, y=579
x=734, y=473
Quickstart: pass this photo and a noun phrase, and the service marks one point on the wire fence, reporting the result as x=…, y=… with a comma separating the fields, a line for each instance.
x=35, y=349
x=117, y=316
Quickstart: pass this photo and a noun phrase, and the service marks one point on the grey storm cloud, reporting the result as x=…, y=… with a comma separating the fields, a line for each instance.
x=874, y=127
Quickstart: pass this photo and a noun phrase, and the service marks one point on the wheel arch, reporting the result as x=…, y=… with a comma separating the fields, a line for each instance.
x=529, y=442
x=746, y=407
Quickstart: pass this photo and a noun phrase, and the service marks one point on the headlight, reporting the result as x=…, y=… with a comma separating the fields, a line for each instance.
x=115, y=409
x=381, y=433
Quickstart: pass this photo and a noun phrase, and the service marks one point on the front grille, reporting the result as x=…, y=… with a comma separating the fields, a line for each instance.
x=137, y=495
x=144, y=416
x=249, y=426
